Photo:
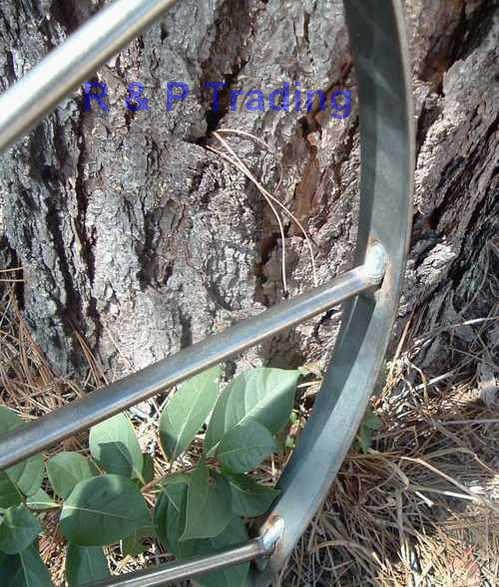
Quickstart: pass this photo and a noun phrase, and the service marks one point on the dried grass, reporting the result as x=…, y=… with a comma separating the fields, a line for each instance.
x=420, y=508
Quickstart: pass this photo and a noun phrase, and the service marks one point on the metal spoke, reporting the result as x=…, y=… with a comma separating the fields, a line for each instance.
x=107, y=401
x=56, y=76
x=260, y=547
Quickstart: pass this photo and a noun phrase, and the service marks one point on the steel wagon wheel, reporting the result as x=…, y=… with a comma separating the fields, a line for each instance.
x=373, y=287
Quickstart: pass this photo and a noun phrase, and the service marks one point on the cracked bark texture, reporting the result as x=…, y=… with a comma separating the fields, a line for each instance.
x=133, y=234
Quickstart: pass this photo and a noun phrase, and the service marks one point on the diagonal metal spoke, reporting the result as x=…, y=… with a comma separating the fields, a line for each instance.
x=105, y=402
x=168, y=574
x=56, y=76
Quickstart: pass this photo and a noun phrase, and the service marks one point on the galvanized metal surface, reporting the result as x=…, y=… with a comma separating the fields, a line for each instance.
x=192, y=568
x=171, y=573
x=167, y=574
x=54, y=78
x=109, y=400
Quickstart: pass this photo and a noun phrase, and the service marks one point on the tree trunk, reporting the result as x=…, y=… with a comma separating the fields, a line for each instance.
x=134, y=234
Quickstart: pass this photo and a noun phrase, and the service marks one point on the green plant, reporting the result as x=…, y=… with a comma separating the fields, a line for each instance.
x=100, y=498
x=370, y=423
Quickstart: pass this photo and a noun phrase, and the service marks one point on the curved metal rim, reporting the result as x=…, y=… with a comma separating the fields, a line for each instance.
x=378, y=41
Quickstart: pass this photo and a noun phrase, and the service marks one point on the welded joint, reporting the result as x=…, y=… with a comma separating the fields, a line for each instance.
x=375, y=262
x=271, y=533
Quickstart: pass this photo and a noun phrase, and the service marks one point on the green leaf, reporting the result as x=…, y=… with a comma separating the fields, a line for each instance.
x=65, y=470
x=28, y=474
x=364, y=439
x=265, y=395
x=18, y=529
x=103, y=510
x=245, y=446
x=9, y=494
x=85, y=565
x=25, y=569
x=187, y=411
x=133, y=545
x=207, y=511
x=41, y=501
x=249, y=498
x=169, y=517
x=169, y=513
x=148, y=468
x=234, y=533
x=115, y=447
x=371, y=420
x=370, y=423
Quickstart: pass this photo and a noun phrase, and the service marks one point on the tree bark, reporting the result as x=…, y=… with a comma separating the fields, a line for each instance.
x=132, y=233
